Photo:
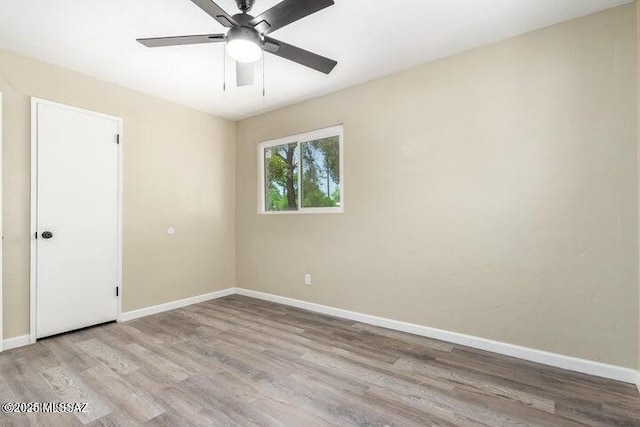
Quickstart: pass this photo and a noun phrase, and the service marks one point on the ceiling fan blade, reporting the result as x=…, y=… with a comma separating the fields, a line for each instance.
x=286, y=12
x=181, y=40
x=298, y=55
x=216, y=12
x=244, y=74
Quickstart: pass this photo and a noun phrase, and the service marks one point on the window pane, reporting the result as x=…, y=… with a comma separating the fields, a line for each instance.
x=321, y=173
x=281, y=177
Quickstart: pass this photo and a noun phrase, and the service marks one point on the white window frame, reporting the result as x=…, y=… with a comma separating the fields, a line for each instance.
x=300, y=138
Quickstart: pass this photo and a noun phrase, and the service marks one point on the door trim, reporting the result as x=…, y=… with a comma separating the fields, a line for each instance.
x=34, y=205
x=2, y=237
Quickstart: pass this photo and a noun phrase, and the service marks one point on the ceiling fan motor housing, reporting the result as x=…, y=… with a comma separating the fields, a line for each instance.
x=244, y=33
x=243, y=20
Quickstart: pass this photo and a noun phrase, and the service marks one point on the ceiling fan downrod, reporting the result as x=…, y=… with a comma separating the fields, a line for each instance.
x=245, y=5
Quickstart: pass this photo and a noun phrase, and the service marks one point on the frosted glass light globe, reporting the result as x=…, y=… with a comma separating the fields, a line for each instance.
x=244, y=44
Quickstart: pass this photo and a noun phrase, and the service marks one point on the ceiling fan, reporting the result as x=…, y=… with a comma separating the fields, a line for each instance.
x=247, y=37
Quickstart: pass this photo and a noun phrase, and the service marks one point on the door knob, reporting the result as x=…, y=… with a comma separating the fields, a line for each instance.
x=47, y=235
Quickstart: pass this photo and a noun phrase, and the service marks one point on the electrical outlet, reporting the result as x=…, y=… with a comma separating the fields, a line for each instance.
x=307, y=279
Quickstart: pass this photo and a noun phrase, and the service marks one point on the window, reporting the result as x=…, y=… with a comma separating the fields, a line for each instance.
x=302, y=173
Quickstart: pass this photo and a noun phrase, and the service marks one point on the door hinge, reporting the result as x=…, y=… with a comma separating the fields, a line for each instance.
x=118, y=139
x=117, y=290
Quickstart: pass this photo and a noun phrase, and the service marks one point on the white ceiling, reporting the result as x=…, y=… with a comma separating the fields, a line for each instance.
x=368, y=38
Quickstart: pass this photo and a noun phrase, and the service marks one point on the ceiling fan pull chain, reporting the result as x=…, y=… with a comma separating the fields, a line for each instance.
x=224, y=68
x=263, y=88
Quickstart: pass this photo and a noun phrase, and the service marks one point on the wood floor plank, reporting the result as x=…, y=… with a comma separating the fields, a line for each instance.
x=179, y=402
x=137, y=404
x=429, y=371
x=70, y=388
x=117, y=418
x=7, y=395
x=66, y=352
x=110, y=356
x=238, y=361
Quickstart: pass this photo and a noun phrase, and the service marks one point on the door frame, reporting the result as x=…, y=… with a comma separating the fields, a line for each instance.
x=34, y=205
x=2, y=236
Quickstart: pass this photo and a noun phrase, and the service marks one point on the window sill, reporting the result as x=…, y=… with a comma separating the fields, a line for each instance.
x=306, y=211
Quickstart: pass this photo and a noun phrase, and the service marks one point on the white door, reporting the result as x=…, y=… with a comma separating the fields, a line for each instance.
x=77, y=240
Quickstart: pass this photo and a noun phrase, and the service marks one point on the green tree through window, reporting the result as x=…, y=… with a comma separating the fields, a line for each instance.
x=281, y=167
x=303, y=172
x=321, y=173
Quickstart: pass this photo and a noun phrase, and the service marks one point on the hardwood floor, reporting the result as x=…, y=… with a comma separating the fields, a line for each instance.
x=240, y=361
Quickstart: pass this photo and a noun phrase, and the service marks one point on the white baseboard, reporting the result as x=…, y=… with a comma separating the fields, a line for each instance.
x=589, y=367
x=23, y=340
x=598, y=369
x=154, y=309
x=15, y=342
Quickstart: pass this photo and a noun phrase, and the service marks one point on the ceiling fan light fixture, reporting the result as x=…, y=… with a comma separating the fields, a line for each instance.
x=244, y=44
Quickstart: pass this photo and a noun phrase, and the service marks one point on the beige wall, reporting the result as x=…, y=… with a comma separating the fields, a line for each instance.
x=492, y=193
x=179, y=170
x=638, y=41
